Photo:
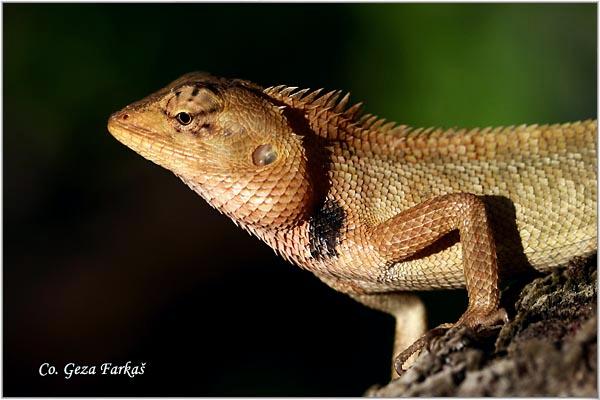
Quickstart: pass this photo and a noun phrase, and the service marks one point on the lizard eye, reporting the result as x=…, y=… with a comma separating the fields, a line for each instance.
x=264, y=155
x=184, y=118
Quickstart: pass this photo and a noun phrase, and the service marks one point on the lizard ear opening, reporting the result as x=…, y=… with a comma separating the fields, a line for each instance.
x=263, y=155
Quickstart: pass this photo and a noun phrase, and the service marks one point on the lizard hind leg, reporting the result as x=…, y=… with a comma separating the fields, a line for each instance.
x=413, y=230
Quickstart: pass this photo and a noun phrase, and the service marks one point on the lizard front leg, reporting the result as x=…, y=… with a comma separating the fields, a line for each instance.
x=410, y=315
x=413, y=230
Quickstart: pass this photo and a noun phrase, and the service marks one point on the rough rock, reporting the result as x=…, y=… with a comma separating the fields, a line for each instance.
x=548, y=348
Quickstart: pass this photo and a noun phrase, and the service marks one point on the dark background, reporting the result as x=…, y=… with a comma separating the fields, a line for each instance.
x=109, y=258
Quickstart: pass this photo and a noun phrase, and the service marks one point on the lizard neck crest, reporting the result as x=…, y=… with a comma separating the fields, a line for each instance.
x=333, y=109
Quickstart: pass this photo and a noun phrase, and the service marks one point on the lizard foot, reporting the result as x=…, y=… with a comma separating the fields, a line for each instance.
x=482, y=319
x=419, y=344
x=481, y=322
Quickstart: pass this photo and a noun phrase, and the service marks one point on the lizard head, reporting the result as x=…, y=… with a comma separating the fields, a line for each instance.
x=228, y=141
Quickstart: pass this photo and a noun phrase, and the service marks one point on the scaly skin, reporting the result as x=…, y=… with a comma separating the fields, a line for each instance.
x=376, y=210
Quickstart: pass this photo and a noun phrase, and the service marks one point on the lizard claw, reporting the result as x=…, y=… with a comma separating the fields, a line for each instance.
x=419, y=344
x=480, y=322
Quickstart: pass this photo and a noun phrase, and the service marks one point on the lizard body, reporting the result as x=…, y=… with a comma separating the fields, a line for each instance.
x=373, y=209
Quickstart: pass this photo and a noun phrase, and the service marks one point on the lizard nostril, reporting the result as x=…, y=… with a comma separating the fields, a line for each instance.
x=125, y=117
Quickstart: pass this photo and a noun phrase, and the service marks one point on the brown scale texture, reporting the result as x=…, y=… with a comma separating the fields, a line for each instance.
x=538, y=184
x=368, y=206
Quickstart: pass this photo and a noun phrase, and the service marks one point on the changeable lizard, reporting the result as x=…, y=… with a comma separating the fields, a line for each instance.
x=374, y=209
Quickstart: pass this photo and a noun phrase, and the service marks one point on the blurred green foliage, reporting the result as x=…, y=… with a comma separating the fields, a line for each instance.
x=68, y=66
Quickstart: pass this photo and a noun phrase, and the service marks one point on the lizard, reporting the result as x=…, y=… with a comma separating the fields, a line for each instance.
x=374, y=209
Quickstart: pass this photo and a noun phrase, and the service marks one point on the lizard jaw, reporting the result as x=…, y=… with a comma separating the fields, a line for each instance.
x=145, y=141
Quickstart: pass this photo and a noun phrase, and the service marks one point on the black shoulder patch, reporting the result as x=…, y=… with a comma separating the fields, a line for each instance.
x=327, y=217
x=325, y=229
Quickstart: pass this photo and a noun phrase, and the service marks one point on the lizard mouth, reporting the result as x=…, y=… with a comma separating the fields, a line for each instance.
x=121, y=128
x=139, y=139
x=144, y=141
x=136, y=137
